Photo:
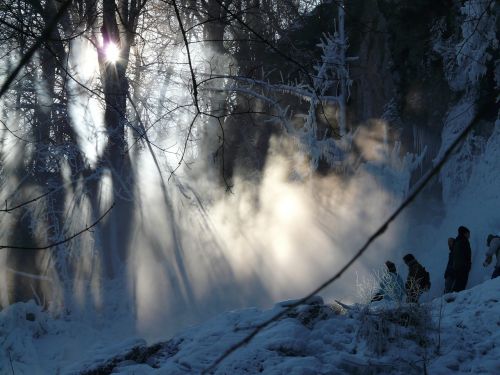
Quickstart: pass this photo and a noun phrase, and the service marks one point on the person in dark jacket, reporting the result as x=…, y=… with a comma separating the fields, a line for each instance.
x=493, y=243
x=417, y=281
x=449, y=279
x=461, y=258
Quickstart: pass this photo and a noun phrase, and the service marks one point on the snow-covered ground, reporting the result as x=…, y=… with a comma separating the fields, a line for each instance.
x=458, y=333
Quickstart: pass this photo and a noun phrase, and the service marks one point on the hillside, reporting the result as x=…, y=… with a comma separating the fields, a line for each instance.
x=458, y=333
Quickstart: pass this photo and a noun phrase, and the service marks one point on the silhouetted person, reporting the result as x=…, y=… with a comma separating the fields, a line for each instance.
x=461, y=255
x=391, y=286
x=418, y=279
x=449, y=278
x=493, y=243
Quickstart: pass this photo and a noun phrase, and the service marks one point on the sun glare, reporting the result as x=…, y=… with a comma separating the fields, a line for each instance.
x=112, y=52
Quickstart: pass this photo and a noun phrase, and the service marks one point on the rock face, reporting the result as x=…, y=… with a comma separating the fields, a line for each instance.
x=402, y=74
x=398, y=77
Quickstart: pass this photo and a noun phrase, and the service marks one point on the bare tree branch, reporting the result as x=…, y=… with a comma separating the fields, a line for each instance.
x=186, y=43
x=195, y=86
x=86, y=229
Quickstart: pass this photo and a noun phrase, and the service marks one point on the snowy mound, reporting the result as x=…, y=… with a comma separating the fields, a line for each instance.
x=457, y=333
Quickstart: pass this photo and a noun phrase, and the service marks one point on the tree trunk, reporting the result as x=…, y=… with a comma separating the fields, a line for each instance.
x=116, y=158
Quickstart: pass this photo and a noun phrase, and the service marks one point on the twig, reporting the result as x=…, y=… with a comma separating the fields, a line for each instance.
x=195, y=87
x=186, y=43
x=15, y=135
x=86, y=229
x=475, y=29
x=10, y=209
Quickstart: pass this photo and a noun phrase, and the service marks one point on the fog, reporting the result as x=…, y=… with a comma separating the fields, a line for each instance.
x=198, y=250
x=194, y=249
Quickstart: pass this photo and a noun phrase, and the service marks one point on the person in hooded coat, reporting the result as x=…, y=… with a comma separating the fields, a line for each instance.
x=449, y=280
x=417, y=281
x=461, y=258
x=493, y=243
x=391, y=287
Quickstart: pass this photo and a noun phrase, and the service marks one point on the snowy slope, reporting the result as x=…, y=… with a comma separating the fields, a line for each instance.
x=318, y=338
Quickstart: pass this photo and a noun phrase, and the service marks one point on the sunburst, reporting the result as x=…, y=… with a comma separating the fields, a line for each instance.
x=111, y=52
